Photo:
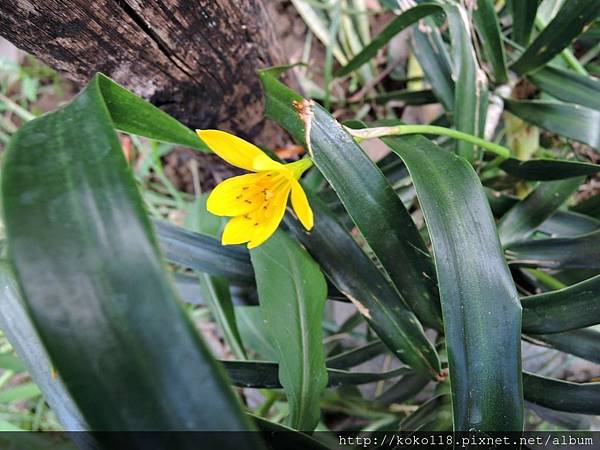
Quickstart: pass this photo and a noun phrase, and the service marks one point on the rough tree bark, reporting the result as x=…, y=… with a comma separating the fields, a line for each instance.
x=195, y=59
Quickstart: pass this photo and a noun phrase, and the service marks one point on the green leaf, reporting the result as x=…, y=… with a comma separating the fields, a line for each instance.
x=583, y=343
x=21, y=392
x=21, y=333
x=12, y=363
x=568, y=86
x=526, y=216
x=480, y=306
x=571, y=121
x=547, y=169
x=580, y=252
x=568, y=23
x=488, y=28
x=95, y=261
x=264, y=375
x=292, y=293
x=404, y=20
x=523, y=15
x=433, y=415
x=131, y=114
x=373, y=205
x=253, y=332
x=469, y=98
x=573, y=307
x=406, y=96
x=430, y=51
x=203, y=253
x=403, y=390
x=215, y=290
x=356, y=356
x=280, y=437
x=355, y=274
x=568, y=224
x=581, y=398
x=589, y=207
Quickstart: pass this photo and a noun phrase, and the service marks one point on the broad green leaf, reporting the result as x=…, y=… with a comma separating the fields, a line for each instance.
x=580, y=252
x=292, y=293
x=573, y=307
x=131, y=114
x=373, y=205
x=480, y=306
x=264, y=375
x=583, y=343
x=568, y=86
x=526, y=216
x=523, y=15
x=114, y=330
x=21, y=333
x=547, y=169
x=581, y=398
x=401, y=22
x=203, y=253
x=355, y=274
x=570, y=21
x=488, y=28
x=568, y=120
x=430, y=51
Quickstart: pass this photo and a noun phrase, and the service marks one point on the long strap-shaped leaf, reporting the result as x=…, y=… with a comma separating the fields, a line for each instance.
x=523, y=14
x=373, y=205
x=404, y=20
x=292, y=292
x=568, y=86
x=92, y=278
x=573, y=307
x=581, y=398
x=264, y=375
x=203, y=253
x=482, y=314
x=580, y=252
x=583, y=343
x=488, y=28
x=570, y=21
x=356, y=275
x=548, y=169
x=526, y=216
x=569, y=120
x=19, y=329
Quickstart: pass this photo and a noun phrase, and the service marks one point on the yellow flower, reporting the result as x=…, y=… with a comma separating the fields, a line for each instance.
x=255, y=201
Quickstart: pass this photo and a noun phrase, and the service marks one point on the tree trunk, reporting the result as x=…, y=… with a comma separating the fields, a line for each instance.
x=196, y=60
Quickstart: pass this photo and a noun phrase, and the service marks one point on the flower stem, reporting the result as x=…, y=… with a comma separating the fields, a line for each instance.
x=399, y=130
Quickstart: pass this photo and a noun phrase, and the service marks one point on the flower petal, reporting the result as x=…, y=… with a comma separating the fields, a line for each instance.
x=236, y=196
x=237, y=231
x=237, y=151
x=301, y=206
x=269, y=218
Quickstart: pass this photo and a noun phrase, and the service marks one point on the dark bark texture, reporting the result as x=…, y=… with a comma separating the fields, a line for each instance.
x=195, y=59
